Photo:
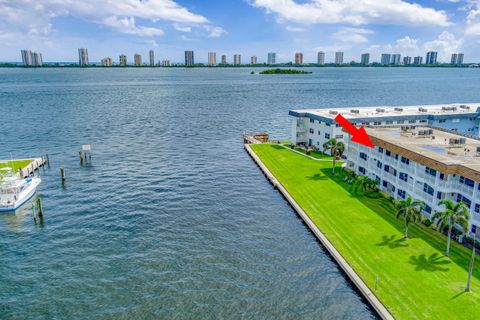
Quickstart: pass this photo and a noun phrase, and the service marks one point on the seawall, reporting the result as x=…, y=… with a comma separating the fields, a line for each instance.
x=352, y=275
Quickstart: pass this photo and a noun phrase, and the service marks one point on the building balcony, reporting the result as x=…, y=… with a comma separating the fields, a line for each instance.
x=427, y=178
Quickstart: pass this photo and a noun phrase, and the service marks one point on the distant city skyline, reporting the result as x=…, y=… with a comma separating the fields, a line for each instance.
x=30, y=58
x=57, y=28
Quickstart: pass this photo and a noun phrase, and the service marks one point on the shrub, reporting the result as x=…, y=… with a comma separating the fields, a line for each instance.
x=427, y=222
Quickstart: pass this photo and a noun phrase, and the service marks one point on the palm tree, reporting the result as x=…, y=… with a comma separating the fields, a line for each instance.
x=455, y=213
x=336, y=149
x=361, y=183
x=410, y=210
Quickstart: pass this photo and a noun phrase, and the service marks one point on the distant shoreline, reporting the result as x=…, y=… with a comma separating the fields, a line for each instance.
x=287, y=65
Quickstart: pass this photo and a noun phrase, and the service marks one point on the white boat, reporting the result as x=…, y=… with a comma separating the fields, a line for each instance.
x=15, y=191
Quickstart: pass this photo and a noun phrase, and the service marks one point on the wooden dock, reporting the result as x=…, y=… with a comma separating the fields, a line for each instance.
x=253, y=138
x=34, y=165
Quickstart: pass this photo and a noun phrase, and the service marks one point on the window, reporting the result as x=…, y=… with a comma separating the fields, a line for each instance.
x=442, y=121
x=403, y=176
x=386, y=168
x=428, y=209
x=311, y=130
x=327, y=136
x=430, y=171
x=455, y=120
x=363, y=156
x=327, y=124
x=467, y=181
x=461, y=198
x=380, y=149
x=362, y=170
x=319, y=132
x=385, y=183
x=411, y=121
x=442, y=176
x=477, y=208
x=379, y=164
x=377, y=178
x=388, y=153
x=423, y=121
x=439, y=195
x=377, y=123
x=405, y=160
x=339, y=136
x=366, y=123
x=427, y=189
x=401, y=193
x=312, y=121
x=388, y=122
x=401, y=121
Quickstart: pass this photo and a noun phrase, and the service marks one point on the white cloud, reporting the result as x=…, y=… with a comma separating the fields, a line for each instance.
x=445, y=44
x=352, y=35
x=355, y=12
x=35, y=18
x=473, y=21
x=127, y=25
x=182, y=28
x=214, y=32
x=294, y=29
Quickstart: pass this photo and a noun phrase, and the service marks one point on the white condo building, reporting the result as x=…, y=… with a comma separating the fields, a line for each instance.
x=313, y=127
x=151, y=54
x=83, y=57
x=425, y=163
x=339, y=57
x=428, y=152
x=212, y=58
x=237, y=59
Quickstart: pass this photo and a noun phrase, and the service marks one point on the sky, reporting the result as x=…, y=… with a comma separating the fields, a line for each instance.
x=108, y=28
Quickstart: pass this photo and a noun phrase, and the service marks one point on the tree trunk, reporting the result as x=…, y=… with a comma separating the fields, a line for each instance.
x=333, y=171
x=447, y=253
x=406, y=231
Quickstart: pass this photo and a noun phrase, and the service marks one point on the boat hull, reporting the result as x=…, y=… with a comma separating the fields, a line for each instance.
x=23, y=197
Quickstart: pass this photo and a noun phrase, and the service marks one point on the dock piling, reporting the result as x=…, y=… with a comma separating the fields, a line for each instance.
x=39, y=207
x=62, y=174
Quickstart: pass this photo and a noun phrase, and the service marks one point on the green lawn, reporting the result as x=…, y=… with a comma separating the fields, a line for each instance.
x=314, y=154
x=15, y=164
x=416, y=281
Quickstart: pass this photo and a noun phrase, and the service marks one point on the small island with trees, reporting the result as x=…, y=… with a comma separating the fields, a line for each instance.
x=284, y=71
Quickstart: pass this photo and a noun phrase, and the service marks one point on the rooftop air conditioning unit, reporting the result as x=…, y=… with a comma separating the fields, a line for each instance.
x=398, y=109
x=463, y=106
x=421, y=109
x=355, y=111
x=380, y=110
x=333, y=112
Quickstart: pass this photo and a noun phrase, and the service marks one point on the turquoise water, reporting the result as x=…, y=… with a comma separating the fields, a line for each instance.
x=173, y=220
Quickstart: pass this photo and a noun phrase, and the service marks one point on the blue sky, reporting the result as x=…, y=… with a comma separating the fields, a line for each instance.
x=249, y=27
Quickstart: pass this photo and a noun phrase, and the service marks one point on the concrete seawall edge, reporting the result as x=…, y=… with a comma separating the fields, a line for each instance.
x=353, y=276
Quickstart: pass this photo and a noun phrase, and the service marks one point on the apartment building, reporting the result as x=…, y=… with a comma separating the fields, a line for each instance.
x=313, y=127
x=423, y=162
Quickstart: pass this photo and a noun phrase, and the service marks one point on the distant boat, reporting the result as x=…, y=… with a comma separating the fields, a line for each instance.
x=15, y=191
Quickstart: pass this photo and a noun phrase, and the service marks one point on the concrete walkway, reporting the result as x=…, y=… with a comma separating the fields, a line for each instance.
x=305, y=155
x=354, y=277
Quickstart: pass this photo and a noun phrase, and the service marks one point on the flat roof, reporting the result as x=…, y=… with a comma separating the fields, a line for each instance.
x=391, y=111
x=442, y=147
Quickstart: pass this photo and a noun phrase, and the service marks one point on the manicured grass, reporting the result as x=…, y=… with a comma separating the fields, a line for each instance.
x=314, y=154
x=416, y=281
x=14, y=164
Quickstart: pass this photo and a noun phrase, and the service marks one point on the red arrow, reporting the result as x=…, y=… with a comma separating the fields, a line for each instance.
x=359, y=135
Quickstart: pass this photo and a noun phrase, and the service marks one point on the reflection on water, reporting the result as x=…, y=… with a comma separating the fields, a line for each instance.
x=16, y=221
